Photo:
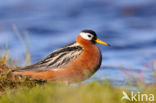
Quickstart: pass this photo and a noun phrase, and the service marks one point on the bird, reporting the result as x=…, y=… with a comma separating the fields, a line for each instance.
x=75, y=62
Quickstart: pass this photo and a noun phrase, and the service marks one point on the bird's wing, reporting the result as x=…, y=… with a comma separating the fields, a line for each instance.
x=57, y=59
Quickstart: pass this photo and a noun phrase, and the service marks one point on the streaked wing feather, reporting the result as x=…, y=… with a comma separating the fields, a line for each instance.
x=57, y=59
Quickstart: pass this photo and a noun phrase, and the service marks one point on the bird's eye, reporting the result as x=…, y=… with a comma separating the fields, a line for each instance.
x=89, y=36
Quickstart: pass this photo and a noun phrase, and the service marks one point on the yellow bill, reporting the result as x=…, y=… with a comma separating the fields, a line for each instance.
x=102, y=42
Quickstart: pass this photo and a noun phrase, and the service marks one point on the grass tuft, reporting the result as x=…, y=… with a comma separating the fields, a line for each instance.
x=8, y=81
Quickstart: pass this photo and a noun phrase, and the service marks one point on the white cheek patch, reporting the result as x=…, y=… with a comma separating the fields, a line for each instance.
x=85, y=36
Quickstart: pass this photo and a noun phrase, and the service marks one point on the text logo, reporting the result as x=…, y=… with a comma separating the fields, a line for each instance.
x=137, y=97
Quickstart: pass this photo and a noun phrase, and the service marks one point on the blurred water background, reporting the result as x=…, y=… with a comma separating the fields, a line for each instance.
x=128, y=25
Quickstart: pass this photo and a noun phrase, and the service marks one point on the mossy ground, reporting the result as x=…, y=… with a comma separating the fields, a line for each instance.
x=29, y=91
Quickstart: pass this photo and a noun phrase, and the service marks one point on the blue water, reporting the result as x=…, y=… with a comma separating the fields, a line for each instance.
x=129, y=26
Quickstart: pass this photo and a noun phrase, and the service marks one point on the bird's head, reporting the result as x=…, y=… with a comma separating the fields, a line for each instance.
x=89, y=37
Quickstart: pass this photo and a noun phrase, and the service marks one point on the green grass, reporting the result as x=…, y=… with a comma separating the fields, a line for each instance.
x=93, y=92
x=59, y=93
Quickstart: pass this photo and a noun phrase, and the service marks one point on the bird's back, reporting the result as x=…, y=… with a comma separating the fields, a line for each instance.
x=57, y=59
